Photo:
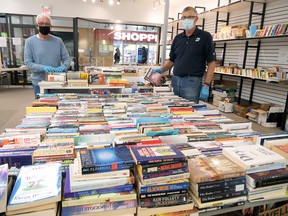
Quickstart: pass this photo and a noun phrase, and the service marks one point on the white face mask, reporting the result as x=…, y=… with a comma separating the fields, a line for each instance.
x=188, y=24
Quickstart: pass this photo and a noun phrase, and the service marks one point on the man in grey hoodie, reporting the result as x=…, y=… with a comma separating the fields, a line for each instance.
x=44, y=52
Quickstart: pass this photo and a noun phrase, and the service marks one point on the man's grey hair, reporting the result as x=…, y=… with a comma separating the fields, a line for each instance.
x=191, y=8
x=40, y=16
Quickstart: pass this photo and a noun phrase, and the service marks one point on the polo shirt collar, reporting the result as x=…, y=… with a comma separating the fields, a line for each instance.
x=196, y=32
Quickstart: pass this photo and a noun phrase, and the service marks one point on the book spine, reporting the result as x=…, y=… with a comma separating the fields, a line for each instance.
x=84, y=186
x=266, y=168
x=116, y=189
x=53, y=151
x=213, y=185
x=164, y=187
x=166, y=173
x=165, y=178
x=93, y=208
x=149, y=195
x=271, y=181
x=16, y=160
x=106, y=168
x=97, y=199
x=164, y=201
x=222, y=196
x=148, y=169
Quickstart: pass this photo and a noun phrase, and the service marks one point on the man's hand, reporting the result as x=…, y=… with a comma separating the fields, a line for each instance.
x=49, y=69
x=158, y=70
x=204, y=94
x=62, y=68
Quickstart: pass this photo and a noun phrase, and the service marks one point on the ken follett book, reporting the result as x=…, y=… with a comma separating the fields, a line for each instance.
x=105, y=159
x=156, y=154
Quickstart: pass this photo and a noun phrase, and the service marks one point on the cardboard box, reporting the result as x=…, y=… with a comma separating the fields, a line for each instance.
x=226, y=107
x=243, y=108
x=282, y=210
x=252, y=115
x=218, y=98
x=270, y=115
x=224, y=88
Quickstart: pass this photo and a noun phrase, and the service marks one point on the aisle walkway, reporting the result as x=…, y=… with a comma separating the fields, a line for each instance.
x=13, y=101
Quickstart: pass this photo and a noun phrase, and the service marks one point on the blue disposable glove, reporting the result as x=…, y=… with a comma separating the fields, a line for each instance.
x=158, y=70
x=62, y=68
x=48, y=69
x=204, y=94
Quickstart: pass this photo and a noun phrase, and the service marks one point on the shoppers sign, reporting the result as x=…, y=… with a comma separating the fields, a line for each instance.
x=135, y=36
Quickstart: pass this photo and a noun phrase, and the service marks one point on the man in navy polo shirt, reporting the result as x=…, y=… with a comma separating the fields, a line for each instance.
x=190, y=52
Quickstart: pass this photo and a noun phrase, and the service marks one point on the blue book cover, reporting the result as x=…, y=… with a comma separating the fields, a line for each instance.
x=106, y=159
x=36, y=185
x=116, y=189
x=156, y=154
x=17, y=158
x=177, y=185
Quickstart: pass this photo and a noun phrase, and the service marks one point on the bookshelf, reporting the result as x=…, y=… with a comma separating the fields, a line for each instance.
x=257, y=12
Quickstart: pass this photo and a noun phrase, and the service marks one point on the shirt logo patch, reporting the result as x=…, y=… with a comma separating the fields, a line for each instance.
x=197, y=39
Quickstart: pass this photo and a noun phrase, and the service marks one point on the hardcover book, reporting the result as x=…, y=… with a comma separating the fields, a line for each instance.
x=156, y=154
x=106, y=159
x=36, y=185
x=255, y=158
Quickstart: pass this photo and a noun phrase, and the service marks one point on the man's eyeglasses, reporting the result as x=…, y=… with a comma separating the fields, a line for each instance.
x=188, y=17
x=44, y=24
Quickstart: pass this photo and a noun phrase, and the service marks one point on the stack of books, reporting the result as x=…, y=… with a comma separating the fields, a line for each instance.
x=216, y=182
x=3, y=187
x=162, y=179
x=255, y=160
x=100, y=182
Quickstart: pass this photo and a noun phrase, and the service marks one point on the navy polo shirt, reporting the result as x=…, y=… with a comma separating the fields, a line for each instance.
x=190, y=55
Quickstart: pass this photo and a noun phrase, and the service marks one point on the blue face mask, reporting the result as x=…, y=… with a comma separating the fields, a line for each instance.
x=188, y=24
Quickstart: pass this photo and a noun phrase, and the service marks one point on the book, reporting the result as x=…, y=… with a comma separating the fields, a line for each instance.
x=165, y=166
x=281, y=150
x=106, y=159
x=3, y=187
x=213, y=168
x=267, y=178
x=102, y=208
x=162, y=201
x=48, y=209
x=76, y=186
x=143, y=211
x=181, y=184
x=36, y=185
x=154, y=78
x=99, y=198
x=156, y=154
x=255, y=158
x=17, y=158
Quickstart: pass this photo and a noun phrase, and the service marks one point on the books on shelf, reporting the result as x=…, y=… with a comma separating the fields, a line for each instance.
x=36, y=185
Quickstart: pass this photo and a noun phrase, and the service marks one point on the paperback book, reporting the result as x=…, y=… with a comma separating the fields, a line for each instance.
x=36, y=185
x=156, y=154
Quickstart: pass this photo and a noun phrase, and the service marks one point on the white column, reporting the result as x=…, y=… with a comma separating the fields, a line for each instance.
x=164, y=32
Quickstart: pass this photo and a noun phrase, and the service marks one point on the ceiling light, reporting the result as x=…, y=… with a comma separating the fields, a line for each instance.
x=111, y=2
x=93, y=1
x=84, y=0
x=118, y=2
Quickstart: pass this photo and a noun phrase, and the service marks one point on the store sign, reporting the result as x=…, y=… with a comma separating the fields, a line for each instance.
x=135, y=36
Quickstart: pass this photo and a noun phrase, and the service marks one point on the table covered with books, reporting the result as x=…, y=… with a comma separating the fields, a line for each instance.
x=137, y=154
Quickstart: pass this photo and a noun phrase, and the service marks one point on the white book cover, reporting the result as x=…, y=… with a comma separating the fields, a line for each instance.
x=254, y=157
x=36, y=185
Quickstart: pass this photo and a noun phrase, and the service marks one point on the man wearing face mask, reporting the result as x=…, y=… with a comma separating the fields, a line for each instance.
x=190, y=52
x=44, y=52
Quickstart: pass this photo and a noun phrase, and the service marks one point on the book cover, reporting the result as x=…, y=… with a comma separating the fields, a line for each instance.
x=255, y=158
x=281, y=149
x=156, y=154
x=36, y=185
x=3, y=186
x=106, y=159
x=17, y=158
